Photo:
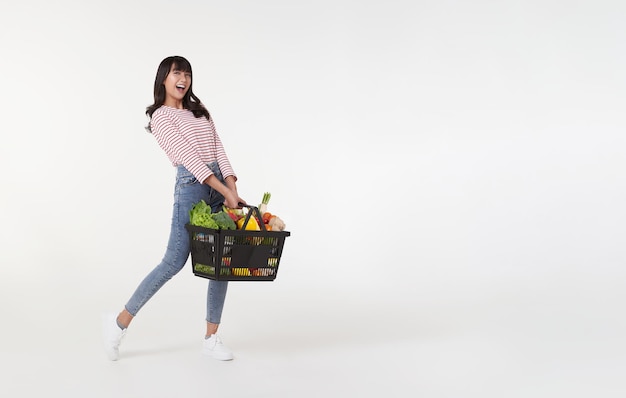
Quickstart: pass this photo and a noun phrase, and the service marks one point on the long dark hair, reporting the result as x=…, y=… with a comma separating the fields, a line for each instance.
x=190, y=100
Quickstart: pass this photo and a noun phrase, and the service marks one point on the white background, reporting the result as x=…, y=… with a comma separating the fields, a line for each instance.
x=451, y=173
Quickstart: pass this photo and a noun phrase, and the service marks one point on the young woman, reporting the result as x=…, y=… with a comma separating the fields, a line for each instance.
x=184, y=129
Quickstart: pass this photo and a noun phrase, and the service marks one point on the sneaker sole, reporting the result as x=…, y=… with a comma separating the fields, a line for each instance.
x=219, y=357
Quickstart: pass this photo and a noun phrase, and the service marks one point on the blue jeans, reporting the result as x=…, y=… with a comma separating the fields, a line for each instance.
x=187, y=191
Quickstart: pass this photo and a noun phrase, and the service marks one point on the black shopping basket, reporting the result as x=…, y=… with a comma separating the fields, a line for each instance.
x=236, y=255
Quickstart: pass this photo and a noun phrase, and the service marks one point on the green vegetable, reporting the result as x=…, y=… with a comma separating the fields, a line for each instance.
x=223, y=220
x=209, y=270
x=264, y=202
x=202, y=216
x=206, y=269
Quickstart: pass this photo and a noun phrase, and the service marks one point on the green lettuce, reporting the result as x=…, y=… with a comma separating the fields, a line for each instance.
x=202, y=216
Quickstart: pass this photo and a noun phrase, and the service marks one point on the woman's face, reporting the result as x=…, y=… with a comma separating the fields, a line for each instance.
x=176, y=84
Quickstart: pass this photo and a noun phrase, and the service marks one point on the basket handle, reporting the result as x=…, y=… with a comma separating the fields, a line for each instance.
x=253, y=209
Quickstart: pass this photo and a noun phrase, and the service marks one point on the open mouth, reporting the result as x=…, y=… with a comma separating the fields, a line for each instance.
x=180, y=87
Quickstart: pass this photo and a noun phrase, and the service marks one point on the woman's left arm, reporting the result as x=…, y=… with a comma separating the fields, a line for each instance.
x=231, y=183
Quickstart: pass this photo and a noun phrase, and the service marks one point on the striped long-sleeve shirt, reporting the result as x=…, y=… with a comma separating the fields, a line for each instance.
x=189, y=141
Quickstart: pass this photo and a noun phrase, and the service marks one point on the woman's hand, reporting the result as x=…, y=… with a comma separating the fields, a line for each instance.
x=232, y=199
x=232, y=186
x=228, y=190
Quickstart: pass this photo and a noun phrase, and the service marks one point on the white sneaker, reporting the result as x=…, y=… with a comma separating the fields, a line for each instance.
x=112, y=335
x=214, y=347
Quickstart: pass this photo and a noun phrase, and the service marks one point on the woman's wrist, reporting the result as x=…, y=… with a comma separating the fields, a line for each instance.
x=231, y=183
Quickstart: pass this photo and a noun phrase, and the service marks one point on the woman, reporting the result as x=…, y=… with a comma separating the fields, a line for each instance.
x=184, y=129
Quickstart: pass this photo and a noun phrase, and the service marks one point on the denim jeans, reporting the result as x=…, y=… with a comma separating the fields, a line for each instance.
x=187, y=191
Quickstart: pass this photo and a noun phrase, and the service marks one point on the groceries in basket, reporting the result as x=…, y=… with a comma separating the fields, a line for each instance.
x=236, y=244
x=271, y=221
x=202, y=216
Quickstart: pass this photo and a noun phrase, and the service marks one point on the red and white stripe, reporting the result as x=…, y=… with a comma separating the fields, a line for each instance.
x=189, y=141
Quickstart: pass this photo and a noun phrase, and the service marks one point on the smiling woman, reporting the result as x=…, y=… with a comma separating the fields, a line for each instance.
x=172, y=87
x=178, y=83
x=184, y=129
